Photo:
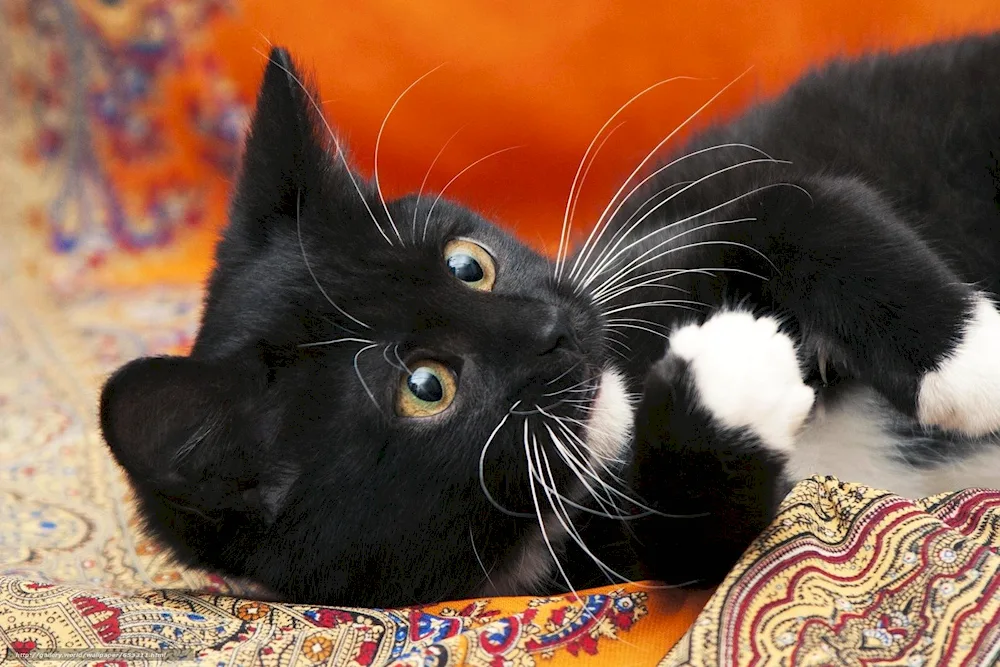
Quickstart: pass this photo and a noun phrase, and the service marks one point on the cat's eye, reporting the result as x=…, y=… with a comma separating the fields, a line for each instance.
x=470, y=263
x=429, y=388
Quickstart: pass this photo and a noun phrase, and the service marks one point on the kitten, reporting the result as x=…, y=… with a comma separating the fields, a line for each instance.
x=395, y=402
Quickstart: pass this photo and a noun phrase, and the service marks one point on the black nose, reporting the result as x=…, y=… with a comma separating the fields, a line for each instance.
x=555, y=334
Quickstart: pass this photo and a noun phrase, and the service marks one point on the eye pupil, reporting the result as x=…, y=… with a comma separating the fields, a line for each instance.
x=425, y=385
x=465, y=267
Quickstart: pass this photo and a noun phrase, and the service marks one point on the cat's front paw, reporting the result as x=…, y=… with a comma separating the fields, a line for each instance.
x=747, y=375
x=963, y=394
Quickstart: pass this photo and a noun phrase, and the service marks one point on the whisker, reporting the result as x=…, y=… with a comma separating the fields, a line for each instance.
x=385, y=355
x=574, y=534
x=305, y=259
x=573, y=387
x=357, y=371
x=609, y=254
x=606, y=264
x=671, y=273
x=567, y=523
x=402, y=364
x=662, y=191
x=480, y=560
x=563, y=374
x=687, y=246
x=640, y=320
x=427, y=175
x=583, y=178
x=378, y=142
x=583, y=455
x=656, y=148
x=538, y=510
x=336, y=143
x=455, y=178
x=567, y=224
x=640, y=328
x=621, y=289
x=482, y=463
x=676, y=303
x=589, y=428
x=336, y=341
x=608, y=487
x=578, y=469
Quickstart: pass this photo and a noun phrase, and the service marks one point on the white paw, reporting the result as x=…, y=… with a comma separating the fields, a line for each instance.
x=747, y=375
x=963, y=394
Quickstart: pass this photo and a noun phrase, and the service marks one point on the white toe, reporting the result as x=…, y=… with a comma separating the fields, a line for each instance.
x=747, y=375
x=963, y=394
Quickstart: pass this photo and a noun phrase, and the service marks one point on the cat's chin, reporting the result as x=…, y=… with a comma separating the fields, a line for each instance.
x=612, y=417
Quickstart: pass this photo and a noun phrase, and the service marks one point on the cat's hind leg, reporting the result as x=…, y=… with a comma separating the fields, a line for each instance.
x=857, y=277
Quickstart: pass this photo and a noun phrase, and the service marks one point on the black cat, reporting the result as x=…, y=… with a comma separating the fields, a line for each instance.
x=393, y=402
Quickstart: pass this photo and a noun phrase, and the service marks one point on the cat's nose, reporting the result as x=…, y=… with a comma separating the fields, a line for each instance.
x=555, y=334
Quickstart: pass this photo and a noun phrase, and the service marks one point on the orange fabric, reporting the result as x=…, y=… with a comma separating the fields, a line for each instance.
x=543, y=76
x=667, y=616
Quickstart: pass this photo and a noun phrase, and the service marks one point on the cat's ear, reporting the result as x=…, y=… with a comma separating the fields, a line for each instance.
x=286, y=153
x=188, y=432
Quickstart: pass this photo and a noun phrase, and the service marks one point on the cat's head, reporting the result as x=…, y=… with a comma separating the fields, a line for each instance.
x=383, y=398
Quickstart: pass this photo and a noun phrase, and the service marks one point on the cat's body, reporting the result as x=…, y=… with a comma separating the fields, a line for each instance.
x=356, y=425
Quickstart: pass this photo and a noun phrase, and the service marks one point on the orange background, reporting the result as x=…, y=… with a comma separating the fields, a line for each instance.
x=543, y=76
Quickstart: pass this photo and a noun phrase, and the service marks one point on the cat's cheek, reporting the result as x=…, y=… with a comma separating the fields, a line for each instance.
x=612, y=419
x=963, y=394
x=746, y=374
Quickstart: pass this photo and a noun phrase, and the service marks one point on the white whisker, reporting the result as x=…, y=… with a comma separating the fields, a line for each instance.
x=482, y=464
x=565, y=521
x=674, y=303
x=305, y=259
x=573, y=388
x=336, y=143
x=600, y=294
x=335, y=341
x=564, y=234
x=563, y=374
x=575, y=440
x=656, y=148
x=670, y=273
x=633, y=266
x=583, y=178
x=455, y=178
x=480, y=560
x=378, y=142
x=608, y=255
x=538, y=510
x=402, y=364
x=640, y=328
x=662, y=191
x=427, y=175
x=357, y=371
x=605, y=265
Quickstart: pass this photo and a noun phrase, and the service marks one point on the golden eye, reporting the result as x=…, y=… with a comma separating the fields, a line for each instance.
x=470, y=263
x=426, y=391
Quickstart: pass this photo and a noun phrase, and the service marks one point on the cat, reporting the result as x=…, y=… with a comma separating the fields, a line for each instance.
x=397, y=402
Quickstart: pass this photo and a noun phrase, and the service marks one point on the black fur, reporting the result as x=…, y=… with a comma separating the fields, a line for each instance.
x=263, y=456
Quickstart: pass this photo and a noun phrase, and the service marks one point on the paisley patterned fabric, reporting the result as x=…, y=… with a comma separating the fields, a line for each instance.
x=119, y=129
x=848, y=575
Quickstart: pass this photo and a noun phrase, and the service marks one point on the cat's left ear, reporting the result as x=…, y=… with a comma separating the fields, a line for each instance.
x=289, y=155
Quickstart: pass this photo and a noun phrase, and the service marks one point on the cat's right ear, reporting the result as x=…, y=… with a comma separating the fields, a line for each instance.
x=187, y=432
